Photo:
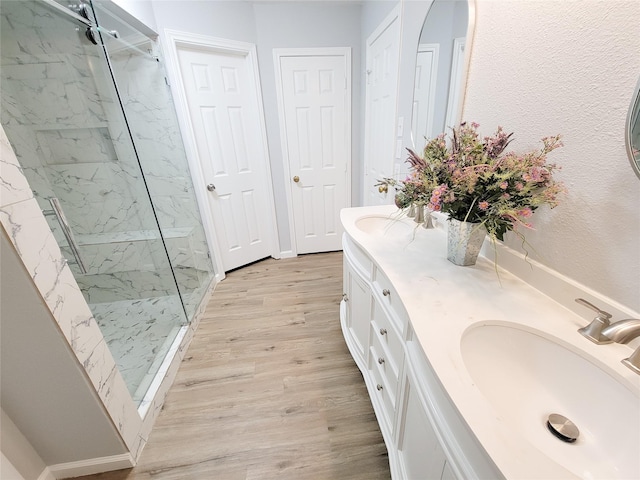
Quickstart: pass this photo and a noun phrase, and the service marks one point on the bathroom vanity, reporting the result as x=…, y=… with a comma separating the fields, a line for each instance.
x=465, y=364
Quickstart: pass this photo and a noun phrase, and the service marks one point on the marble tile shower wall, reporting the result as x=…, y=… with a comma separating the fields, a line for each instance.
x=149, y=108
x=22, y=220
x=79, y=151
x=72, y=143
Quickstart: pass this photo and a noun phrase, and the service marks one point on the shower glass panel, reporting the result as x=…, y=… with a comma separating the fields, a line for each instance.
x=62, y=115
x=141, y=81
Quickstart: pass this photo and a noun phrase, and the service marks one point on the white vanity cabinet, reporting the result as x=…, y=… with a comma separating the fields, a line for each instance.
x=419, y=451
x=464, y=366
x=375, y=326
x=356, y=306
x=404, y=393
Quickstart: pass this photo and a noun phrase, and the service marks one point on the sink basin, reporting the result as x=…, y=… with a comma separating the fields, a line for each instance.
x=386, y=226
x=526, y=375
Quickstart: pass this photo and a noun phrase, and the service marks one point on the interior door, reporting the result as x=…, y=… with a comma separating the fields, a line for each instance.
x=316, y=109
x=424, y=94
x=380, y=108
x=221, y=92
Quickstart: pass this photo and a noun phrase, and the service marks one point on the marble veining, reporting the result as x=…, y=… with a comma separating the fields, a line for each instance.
x=13, y=186
x=30, y=235
x=137, y=332
x=66, y=137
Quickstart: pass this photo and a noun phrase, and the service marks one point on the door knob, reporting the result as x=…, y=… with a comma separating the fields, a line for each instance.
x=211, y=187
x=296, y=179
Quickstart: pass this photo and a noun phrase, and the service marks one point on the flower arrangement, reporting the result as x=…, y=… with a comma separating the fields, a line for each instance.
x=474, y=180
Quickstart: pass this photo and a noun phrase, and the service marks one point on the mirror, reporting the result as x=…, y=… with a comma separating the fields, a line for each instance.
x=632, y=130
x=440, y=70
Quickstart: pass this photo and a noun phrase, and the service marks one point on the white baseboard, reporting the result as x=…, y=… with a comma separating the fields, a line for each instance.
x=46, y=475
x=88, y=467
x=287, y=254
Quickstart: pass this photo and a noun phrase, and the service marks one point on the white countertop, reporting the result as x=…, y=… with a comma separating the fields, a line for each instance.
x=443, y=300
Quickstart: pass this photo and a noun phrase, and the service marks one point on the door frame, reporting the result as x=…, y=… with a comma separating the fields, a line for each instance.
x=393, y=16
x=279, y=53
x=172, y=42
x=434, y=48
x=456, y=94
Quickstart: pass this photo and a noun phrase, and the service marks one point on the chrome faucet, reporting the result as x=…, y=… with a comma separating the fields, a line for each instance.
x=593, y=331
x=602, y=331
x=623, y=332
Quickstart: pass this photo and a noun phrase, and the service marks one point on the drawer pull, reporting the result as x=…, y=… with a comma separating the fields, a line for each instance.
x=383, y=331
x=380, y=360
x=386, y=292
x=379, y=387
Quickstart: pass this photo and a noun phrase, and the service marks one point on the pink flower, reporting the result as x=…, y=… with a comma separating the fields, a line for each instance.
x=525, y=212
x=519, y=186
x=483, y=205
x=506, y=196
x=504, y=185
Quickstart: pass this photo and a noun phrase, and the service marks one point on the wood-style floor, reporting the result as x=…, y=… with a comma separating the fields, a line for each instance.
x=268, y=388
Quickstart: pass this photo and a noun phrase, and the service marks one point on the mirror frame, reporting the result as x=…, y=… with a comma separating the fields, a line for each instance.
x=634, y=108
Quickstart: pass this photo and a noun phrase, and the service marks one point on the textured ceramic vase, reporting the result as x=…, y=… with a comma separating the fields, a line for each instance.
x=464, y=241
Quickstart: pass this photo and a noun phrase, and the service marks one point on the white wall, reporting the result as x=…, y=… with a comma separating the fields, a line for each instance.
x=569, y=67
x=43, y=388
x=232, y=20
x=140, y=9
x=19, y=459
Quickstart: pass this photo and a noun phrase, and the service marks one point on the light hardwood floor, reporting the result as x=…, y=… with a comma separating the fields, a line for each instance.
x=268, y=388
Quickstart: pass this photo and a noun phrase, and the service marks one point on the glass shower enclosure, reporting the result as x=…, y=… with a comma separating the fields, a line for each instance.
x=89, y=114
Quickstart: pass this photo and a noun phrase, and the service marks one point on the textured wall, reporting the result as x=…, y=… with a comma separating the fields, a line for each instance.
x=544, y=67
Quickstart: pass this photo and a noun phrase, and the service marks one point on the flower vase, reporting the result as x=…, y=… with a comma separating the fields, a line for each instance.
x=412, y=210
x=419, y=216
x=464, y=240
x=428, y=221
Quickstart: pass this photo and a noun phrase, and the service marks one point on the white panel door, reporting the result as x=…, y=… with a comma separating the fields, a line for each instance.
x=225, y=115
x=315, y=108
x=380, y=109
x=424, y=94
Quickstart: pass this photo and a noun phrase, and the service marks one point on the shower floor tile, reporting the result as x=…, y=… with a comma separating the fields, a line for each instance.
x=139, y=334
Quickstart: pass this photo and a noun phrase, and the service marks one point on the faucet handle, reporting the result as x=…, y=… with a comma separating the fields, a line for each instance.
x=601, y=313
x=593, y=331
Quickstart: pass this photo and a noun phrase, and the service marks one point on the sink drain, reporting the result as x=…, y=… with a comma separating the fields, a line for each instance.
x=563, y=428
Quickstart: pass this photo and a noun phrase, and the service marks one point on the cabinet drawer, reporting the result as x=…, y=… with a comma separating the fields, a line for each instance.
x=385, y=330
x=383, y=398
x=380, y=358
x=384, y=290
